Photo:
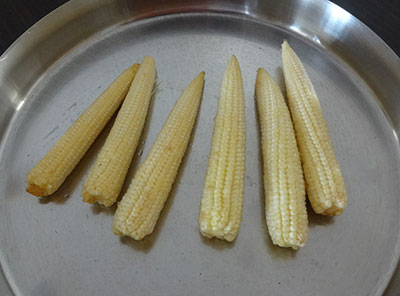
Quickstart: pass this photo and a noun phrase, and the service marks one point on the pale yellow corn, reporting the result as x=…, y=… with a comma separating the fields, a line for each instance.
x=324, y=182
x=285, y=195
x=108, y=173
x=141, y=205
x=221, y=203
x=51, y=171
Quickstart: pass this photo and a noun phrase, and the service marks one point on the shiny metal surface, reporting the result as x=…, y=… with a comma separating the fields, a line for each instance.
x=61, y=246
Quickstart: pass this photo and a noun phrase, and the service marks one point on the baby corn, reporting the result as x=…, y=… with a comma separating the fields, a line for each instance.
x=285, y=196
x=108, y=173
x=221, y=203
x=51, y=171
x=141, y=205
x=324, y=182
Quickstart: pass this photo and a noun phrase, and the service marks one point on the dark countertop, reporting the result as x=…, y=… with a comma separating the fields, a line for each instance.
x=382, y=16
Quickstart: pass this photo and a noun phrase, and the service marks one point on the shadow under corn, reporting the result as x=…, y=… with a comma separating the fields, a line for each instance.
x=317, y=219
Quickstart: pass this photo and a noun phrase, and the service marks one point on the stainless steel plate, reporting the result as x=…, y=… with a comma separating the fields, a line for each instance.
x=62, y=246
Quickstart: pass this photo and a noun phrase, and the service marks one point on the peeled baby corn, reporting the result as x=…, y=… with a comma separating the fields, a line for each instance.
x=50, y=172
x=221, y=203
x=141, y=205
x=108, y=173
x=324, y=182
x=285, y=196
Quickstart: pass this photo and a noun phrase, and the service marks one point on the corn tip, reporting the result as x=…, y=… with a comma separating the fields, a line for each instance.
x=285, y=44
x=116, y=231
x=262, y=71
x=36, y=190
x=149, y=60
x=233, y=60
x=200, y=76
x=135, y=66
x=87, y=197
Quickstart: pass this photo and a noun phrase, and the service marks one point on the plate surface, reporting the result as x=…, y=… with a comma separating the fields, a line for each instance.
x=62, y=246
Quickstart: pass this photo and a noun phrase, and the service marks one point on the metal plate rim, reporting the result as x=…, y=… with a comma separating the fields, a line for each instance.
x=29, y=36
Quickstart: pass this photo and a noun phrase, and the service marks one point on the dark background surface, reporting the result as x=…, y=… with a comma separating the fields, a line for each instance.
x=382, y=16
